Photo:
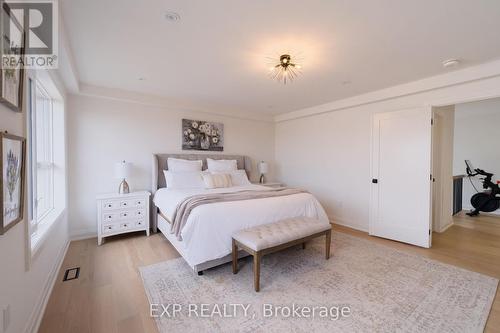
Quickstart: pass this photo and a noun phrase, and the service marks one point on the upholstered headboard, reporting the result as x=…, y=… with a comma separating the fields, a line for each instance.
x=160, y=164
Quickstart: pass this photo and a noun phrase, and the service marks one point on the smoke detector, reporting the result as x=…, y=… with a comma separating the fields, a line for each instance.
x=172, y=16
x=450, y=63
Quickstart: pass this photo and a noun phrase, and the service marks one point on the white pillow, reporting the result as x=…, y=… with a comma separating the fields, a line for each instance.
x=222, y=165
x=239, y=178
x=183, y=180
x=180, y=165
x=217, y=180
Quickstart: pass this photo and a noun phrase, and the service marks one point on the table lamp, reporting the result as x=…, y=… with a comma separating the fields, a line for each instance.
x=263, y=169
x=123, y=171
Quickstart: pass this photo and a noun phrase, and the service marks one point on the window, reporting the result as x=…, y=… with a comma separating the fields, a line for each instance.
x=46, y=158
x=43, y=153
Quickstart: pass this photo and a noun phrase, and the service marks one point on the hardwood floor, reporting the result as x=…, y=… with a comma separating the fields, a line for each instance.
x=489, y=224
x=109, y=295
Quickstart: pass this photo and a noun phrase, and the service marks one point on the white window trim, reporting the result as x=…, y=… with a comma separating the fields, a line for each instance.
x=44, y=229
x=39, y=230
x=46, y=217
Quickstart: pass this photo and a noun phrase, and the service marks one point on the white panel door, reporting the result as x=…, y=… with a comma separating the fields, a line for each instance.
x=401, y=170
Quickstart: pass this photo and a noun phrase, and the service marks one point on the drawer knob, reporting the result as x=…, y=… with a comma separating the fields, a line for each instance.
x=139, y=213
x=109, y=216
x=124, y=214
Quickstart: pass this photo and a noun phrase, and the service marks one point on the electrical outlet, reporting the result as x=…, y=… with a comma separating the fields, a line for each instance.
x=5, y=318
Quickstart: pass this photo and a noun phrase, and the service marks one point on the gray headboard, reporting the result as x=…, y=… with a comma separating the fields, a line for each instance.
x=160, y=164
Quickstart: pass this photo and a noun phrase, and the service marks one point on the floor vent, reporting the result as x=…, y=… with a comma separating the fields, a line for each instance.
x=71, y=274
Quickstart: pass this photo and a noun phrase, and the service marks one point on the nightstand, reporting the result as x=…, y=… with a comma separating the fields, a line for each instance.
x=121, y=213
x=270, y=184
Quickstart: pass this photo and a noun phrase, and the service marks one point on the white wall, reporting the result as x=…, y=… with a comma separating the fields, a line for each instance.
x=23, y=288
x=477, y=138
x=103, y=131
x=329, y=153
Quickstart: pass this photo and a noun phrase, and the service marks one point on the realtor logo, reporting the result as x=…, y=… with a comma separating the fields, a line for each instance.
x=29, y=30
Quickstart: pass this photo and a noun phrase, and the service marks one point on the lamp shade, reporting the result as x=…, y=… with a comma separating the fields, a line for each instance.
x=263, y=167
x=123, y=170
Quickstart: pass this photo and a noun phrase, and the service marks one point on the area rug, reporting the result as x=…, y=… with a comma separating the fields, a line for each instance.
x=364, y=287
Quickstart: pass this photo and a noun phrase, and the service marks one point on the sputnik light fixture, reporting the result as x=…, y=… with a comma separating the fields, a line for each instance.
x=286, y=70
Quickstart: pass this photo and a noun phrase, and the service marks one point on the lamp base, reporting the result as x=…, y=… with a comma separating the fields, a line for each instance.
x=262, y=180
x=124, y=188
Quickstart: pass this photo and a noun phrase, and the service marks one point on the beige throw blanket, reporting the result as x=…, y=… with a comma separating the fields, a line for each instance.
x=186, y=206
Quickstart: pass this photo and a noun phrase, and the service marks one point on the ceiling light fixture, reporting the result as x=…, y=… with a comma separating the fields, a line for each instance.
x=286, y=70
x=172, y=16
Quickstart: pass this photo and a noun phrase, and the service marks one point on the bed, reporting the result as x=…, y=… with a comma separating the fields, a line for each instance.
x=206, y=237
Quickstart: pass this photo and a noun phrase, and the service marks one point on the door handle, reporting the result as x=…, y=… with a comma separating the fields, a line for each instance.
x=375, y=181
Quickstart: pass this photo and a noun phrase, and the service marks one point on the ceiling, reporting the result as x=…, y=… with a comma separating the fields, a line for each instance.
x=216, y=55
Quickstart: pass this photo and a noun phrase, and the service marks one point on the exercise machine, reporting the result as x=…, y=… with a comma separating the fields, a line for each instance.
x=489, y=199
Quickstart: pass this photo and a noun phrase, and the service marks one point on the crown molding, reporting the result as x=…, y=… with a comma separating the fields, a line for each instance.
x=469, y=74
x=165, y=103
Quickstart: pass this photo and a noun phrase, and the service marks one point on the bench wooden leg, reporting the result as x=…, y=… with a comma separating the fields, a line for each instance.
x=256, y=271
x=327, y=245
x=235, y=257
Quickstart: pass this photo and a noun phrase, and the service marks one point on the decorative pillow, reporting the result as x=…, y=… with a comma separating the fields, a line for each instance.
x=180, y=165
x=184, y=180
x=217, y=180
x=222, y=165
x=240, y=178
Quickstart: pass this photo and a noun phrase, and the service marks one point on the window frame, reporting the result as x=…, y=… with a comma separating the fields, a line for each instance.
x=39, y=228
x=49, y=162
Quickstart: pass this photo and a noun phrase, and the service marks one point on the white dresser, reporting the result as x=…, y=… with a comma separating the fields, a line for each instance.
x=121, y=213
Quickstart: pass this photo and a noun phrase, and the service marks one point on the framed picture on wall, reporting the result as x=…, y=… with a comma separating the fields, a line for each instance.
x=12, y=165
x=12, y=75
x=202, y=135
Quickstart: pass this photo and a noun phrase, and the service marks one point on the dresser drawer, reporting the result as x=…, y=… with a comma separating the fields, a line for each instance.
x=126, y=204
x=127, y=215
x=110, y=205
x=127, y=225
x=110, y=217
x=138, y=203
x=139, y=213
x=110, y=228
x=140, y=224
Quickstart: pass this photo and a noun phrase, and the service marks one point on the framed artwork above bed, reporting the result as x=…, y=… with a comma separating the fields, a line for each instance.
x=202, y=135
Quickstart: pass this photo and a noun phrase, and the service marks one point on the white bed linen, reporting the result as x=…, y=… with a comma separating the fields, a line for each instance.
x=208, y=232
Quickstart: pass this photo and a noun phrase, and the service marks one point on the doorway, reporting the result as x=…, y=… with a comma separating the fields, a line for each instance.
x=410, y=145
x=468, y=131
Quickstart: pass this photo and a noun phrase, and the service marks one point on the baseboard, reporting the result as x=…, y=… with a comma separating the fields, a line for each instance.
x=348, y=224
x=36, y=316
x=83, y=234
x=445, y=227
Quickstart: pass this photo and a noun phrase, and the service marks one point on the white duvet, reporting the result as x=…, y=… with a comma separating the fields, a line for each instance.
x=208, y=232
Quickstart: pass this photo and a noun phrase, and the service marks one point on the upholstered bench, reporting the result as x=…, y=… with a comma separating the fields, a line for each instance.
x=272, y=237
